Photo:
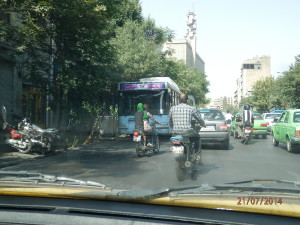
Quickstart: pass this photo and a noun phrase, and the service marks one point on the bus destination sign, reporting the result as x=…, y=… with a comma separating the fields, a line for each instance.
x=142, y=86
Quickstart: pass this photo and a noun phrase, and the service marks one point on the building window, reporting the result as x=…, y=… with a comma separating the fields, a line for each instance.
x=248, y=66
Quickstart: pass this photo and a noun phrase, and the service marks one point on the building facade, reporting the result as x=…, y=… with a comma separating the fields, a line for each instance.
x=221, y=103
x=20, y=97
x=252, y=70
x=185, y=49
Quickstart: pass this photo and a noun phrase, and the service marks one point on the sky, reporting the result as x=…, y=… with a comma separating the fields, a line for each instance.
x=231, y=31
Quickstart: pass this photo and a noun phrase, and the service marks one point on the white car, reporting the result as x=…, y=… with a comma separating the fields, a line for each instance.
x=269, y=118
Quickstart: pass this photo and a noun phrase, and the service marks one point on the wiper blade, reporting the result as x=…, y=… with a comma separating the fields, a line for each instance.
x=261, y=185
x=255, y=185
x=156, y=192
x=25, y=176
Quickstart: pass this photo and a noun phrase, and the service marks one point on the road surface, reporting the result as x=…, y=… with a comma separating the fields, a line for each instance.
x=115, y=164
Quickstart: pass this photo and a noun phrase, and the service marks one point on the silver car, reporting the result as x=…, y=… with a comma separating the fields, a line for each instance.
x=269, y=118
x=216, y=130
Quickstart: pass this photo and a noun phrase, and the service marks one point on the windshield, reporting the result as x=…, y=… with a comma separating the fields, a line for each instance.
x=62, y=63
x=210, y=114
x=272, y=115
x=156, y=100
x=257, y=116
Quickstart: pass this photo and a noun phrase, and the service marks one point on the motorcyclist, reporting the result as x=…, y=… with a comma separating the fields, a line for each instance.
x=138, y=117
x=245, y=119
x=228, y=117
x=180, y=119
x=147, y=116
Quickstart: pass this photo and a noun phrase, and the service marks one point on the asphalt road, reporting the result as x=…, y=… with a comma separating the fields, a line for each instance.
x=115, y=164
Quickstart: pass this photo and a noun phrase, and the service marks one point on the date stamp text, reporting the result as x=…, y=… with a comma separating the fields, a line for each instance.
x=259, y=201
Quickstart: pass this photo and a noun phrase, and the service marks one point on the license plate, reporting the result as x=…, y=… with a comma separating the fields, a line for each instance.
x=255, y=130
x=137, y=138
x=177, y=150
x=208, y=128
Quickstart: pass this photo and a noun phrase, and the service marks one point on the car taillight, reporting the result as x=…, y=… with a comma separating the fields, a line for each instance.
x=223, y=127
x=267, y=123
x=263, y=125
x=248, y=128
x=176, y=142
x=135, y=133
x=297, y=132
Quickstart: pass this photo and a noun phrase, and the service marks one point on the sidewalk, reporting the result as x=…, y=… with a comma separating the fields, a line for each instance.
x=10, y=156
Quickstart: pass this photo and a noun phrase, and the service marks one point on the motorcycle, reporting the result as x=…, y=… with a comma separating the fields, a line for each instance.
x=185, y=155
x=29, y=136
x=246, y=134
x=145, y=142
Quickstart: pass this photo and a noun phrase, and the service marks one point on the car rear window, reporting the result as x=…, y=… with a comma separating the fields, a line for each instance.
x=257, y=116
x=272, y=115
x=297, y=117
x=211, y=114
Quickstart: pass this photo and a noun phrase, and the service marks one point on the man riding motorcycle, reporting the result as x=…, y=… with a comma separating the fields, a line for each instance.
x=180, y=119
x=245, y=119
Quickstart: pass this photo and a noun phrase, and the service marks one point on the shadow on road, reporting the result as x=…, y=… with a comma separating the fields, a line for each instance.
x=214, y=147
x=91, y=162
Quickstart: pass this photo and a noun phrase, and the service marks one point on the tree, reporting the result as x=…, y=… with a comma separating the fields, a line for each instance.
x=289, y=86
x=263, y=98
x=67, y=46
x=138, y=46
x=190, y=81
x=246, y=100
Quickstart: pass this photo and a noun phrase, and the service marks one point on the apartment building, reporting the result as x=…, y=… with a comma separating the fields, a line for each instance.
x=221, y=103
x=252, y=70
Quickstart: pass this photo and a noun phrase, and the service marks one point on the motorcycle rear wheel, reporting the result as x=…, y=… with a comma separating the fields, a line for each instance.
x=28, y=147
x=246, y=140
x=139, y=150
x=180, y=171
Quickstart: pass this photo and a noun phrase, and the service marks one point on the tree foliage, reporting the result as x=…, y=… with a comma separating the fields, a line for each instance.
x=190, y=81
x=77, y=51
x=263, y=95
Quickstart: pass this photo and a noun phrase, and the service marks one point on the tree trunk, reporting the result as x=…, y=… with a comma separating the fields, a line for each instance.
x=95, y=134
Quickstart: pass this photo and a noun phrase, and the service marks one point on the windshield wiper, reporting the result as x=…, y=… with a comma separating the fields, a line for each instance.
x=25, y=176
x=261, y=185
x=255, y=185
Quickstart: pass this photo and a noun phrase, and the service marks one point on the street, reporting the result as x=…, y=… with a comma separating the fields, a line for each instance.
x=114, y=163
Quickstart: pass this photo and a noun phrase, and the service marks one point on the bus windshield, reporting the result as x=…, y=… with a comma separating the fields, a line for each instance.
x=155, y=99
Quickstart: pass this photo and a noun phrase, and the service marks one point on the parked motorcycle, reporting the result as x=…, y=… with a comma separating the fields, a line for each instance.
x=29, y=136
x=185, y=155
x=145, y=142
x=246, y=134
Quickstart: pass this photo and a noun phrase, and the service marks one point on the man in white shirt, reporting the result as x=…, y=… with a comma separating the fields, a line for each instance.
x=228, y=117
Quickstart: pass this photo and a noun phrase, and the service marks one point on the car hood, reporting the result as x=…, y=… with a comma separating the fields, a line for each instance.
x=259, y=196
